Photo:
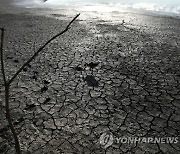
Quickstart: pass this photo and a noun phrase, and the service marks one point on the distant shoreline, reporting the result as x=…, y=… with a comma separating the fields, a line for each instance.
x=133, y=91
x=90, y=8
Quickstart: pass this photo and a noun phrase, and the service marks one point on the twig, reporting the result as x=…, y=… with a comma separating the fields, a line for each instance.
x=41, y=48
x=2, y=59
x=8, y=116
x=7, y=85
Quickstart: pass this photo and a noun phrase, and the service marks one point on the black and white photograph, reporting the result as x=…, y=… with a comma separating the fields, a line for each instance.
x=89, y=76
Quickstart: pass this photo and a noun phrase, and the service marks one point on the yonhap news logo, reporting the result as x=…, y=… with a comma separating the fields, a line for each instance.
x=107, y=139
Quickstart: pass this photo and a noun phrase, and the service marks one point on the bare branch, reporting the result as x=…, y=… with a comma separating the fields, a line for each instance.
x=7, y=83
x=1, y=53
x=8, y=115
x=9, y=119
x=41, y=48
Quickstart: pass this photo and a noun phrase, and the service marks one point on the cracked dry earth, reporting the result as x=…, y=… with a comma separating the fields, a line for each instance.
x=61, y=106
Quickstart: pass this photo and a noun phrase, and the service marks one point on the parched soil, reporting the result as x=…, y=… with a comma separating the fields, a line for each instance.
x=62, y=105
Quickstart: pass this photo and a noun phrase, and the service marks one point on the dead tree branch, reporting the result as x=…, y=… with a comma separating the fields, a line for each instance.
x=41, y=48
x=7, y=83
x=2, y=59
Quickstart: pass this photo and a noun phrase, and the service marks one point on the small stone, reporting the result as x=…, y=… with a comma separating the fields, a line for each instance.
x=91, y=81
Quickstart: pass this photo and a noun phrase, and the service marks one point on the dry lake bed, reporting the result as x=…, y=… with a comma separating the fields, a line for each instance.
x=110, y=78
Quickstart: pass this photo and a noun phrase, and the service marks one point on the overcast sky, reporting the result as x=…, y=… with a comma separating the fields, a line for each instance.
x=160, y=2
x=156, y=5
